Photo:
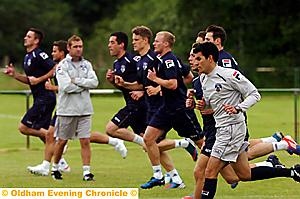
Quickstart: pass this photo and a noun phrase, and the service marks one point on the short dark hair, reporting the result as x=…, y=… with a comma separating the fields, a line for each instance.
x=207, y=48
x=121, y=38
x=201, y=34
x=61, y=45
x=143, y=31
x=38, y=34
x=218, y=32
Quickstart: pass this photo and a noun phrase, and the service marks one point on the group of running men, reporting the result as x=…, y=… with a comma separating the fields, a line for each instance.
x=153, y=83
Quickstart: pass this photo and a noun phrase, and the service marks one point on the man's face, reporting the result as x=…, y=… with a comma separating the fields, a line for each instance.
x=201, y=63
x=113, y=46
x=76, y=49
x=57, y=55
x=138, y=42
x=209, y=37
x=29, y=39
x=191, y=60
x=158, y=43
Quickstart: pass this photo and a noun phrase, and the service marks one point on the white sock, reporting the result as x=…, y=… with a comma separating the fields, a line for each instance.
x=264, y=163
x=268, y=139
x=54, y=167
x=282, y=145
x=181, y=143
x=138, y=139
x=112, y=141
x=157, y=173
x=86, y=169
x=167, y=178
x=46, y=164
x=175, y=176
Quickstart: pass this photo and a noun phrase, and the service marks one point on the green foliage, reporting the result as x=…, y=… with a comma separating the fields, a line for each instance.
x=261, y=33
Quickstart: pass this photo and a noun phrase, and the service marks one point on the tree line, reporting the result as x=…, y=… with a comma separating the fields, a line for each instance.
x=260, y=33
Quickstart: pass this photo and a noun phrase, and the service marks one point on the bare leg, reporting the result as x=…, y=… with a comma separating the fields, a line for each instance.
x=33, y=132
x=85, y=151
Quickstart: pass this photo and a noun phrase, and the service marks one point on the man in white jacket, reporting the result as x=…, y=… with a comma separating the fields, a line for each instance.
x=75, y=77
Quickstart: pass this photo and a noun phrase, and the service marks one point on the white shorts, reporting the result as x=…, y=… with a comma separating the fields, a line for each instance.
x=229, y=142
x=71, y=127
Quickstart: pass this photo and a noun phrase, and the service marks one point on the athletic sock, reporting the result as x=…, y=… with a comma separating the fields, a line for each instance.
x=46, y=164
x=157, y=173
x=182, y=143
x=264, y=163
x=268, y=139
x=54, y=167
x=175, y=176
x=138, y=139
x=112, y=141
x=282, y=145
x=260, y=173
x=209, y=188
x=86, y=169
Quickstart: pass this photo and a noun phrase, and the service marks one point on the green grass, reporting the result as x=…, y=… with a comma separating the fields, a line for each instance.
x=274, y=112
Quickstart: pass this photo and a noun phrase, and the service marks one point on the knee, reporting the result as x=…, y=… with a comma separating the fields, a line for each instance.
x=110, y=130
x=22, y=128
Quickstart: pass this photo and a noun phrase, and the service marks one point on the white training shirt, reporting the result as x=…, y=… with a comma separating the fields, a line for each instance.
x=228, y=86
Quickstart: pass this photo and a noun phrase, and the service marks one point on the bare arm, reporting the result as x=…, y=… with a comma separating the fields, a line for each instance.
x=167, y=83
x=10, y=71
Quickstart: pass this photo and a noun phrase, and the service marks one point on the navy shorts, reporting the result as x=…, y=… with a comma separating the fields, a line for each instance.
x=53, y=121
x=182, y=120
x=39, y=116
x=135, y=117
x=210, y=138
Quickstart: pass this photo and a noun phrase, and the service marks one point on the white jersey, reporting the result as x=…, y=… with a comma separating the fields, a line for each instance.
x=228, y=86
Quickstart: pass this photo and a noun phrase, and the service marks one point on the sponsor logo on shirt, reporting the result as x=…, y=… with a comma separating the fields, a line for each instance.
x=226, y=63
x=236, y=75
x=145, y=65
x=169, y=63
x=44, y=55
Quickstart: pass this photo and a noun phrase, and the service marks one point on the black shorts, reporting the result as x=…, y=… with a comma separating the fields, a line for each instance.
x=135, y=117
x=182, y=120
x=39, y=116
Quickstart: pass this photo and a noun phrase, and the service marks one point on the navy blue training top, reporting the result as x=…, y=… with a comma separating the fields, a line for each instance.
x=37, y=63
x=169, y=69
x=127, y=69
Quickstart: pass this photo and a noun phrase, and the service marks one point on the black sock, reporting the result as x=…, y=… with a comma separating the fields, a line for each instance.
x=264, y=172
x=209, y=188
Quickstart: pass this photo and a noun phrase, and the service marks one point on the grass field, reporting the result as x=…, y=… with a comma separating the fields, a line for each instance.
x=273, y=113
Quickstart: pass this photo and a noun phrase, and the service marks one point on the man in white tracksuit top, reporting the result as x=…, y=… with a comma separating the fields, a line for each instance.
x=229, y=94
x=75, y=77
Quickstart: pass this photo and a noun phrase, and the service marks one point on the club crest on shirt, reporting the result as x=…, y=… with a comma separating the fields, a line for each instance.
x=218, y=87
x=28, y=62
x=226, y=63
x=83, y=68
x=145, y=65
x=122, y=68
x=169, y=63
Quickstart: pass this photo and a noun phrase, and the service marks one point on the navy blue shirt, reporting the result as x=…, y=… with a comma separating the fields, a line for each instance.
x=145, y=62
x=37, y=63
x=227, y=61
x=169, y=69
x=127, y=69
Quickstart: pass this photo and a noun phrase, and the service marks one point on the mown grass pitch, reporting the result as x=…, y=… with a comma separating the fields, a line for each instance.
x=274, y=112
